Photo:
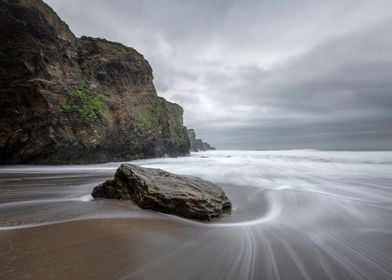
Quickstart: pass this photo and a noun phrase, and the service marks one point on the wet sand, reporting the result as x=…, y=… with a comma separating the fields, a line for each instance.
x=92, y=249
x=156, y=249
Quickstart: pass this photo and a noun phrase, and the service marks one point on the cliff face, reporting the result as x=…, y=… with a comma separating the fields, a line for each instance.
x=77, y=100
x=197, y=145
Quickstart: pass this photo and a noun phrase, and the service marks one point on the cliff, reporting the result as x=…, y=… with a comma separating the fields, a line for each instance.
x=197, y=145
x=77, y=100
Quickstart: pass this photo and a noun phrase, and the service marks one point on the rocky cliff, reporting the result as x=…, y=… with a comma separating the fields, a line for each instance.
x=77, y=100
x=197, y=145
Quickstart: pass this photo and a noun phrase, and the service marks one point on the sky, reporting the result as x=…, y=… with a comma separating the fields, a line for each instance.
x=261, y=74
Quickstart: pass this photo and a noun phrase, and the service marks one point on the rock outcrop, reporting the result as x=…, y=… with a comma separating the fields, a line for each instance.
x=197, y=145
x=156, y=189
x=77, y=100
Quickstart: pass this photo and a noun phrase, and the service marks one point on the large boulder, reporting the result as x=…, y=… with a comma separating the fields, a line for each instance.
x=186, y=196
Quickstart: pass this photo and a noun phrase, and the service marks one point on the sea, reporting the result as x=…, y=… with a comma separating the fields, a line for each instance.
x=297, y=214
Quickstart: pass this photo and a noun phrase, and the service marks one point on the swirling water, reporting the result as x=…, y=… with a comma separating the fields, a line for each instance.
x=298, y=214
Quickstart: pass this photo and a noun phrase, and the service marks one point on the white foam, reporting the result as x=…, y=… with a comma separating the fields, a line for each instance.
x=86, y=198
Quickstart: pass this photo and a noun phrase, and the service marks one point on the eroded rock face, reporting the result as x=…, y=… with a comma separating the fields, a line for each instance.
x=156, y=189
x=77, y=100
x=197, y=145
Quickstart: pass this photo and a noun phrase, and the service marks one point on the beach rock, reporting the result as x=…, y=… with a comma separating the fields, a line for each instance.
x=77, y=100
x=156, y=189
x=197, y=145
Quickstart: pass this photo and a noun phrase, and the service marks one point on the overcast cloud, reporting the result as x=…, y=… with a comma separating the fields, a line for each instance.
x=261, y=74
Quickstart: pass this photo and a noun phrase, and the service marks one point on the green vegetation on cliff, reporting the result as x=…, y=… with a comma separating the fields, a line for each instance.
x=176, y=127
x=84, y=100
x=150, y=119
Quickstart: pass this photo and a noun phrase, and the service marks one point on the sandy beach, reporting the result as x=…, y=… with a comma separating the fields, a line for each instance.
x=92, y=249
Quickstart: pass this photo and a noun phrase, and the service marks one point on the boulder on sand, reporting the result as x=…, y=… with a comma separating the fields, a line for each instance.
x=156, y=189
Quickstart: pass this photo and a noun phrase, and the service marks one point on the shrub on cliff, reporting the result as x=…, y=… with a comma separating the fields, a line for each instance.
x=84, y=100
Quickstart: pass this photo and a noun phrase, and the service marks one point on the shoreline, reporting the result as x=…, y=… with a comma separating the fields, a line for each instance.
x=307, y=214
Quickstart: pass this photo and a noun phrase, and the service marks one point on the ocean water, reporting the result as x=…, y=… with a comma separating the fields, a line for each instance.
x=297, y=214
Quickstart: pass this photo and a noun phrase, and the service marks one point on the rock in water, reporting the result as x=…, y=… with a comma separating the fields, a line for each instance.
x=186, y=196
x=197, y=145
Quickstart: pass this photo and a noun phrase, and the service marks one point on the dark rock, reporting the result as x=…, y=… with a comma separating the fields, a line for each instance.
x=77, y=100
x=156, y=189
x=197, y=145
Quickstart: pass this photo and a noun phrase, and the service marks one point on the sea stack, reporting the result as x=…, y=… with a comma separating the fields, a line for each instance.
x=197, y=145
